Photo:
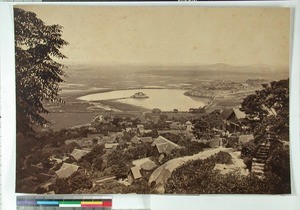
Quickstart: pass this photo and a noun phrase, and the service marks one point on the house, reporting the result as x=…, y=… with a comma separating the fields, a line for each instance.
x=146, y=139
x=177, y=126
x=94, y=136
x=163, y=146
x=148, y=166
x=161, y=158
x=79, y=153
x=134, y=174
x=84, y=142
x=240, y=115
x=139, y=162
x=92, y=130
x=243, y=139
x=189, y=126
x=98, y=119
x=66, y=170
x=147, y=131
x=70, y=141
x=215, y=143
x=233, y=119
x=135, y=140
x=116, y=136
x=145, y=166
x=271, y=111
x=232, y=141
x=87, y=142
x=143, y=118
x=140, y=128
x=110, y=146
x=128, y=130
x=107, y=139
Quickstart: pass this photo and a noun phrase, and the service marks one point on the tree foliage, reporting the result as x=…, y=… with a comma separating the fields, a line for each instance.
x=91, y=157
x=204, y=125
x=37, y=47
x=269, y=109
x=279, y=164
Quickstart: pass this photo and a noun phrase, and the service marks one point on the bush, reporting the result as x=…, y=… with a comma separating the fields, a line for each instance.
x=222, y=158
x=40, y=190
x=139, y=186
x=279, y=164
x=77, y=180
x=80, y=181
x=98, y=162
x=96, y=152
x=191, y=177
x=62, y=186
x=191, y=148
x=197, y=177
x=248, y=162
x=248, y=149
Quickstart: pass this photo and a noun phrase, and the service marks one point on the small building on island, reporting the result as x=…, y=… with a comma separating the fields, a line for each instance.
x=139, y=95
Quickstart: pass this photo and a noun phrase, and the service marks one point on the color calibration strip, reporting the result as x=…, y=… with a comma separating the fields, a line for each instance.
x=95, y=203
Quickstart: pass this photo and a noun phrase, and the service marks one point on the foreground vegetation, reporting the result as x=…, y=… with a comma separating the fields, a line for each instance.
x=198, y=177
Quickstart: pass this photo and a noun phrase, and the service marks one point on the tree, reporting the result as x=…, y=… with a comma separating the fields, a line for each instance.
x=96, y=152
x=279, y=164
x=37, y=47
x=269, y=108
x=204, y=125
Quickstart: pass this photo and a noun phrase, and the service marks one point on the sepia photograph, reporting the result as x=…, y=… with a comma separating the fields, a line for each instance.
x=152, y=100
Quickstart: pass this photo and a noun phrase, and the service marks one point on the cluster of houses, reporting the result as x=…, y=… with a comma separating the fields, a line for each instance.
x=232, y=123
x=141, y=167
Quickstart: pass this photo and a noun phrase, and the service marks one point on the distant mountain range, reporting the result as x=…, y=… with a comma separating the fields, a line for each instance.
x=200, y=67
x=105, y=74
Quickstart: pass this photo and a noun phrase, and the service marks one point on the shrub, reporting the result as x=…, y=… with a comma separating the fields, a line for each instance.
x=198, y=177
x=80, y=181
x=98, y=162
x=96, y=152
x=248, y=162
x=248, y=149
x=279, y=164
x=222, y=158
x=62, y=186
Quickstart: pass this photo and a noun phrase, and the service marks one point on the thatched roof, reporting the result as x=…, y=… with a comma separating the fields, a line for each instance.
x=66, y=170
x=136, y=172
x=146, y=139
x=135, y=140
x=226, y=113
x=245, y=138
x=164, y=145
x=148, y=166
x=238, y=113
x=79, y=153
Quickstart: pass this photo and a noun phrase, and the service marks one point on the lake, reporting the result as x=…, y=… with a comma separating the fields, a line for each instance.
x=164, y=99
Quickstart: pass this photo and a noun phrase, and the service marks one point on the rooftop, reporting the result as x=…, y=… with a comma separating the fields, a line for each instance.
x=66, y=170
x=164, y=145
x=78, y=153
x=136, y=172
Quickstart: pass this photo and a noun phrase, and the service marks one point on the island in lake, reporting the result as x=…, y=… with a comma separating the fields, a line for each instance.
x=139, y=95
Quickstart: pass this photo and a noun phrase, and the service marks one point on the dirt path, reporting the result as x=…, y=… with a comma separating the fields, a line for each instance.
x=162, y=173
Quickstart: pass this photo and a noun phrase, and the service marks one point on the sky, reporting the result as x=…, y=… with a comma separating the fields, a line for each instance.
x=171, y=35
